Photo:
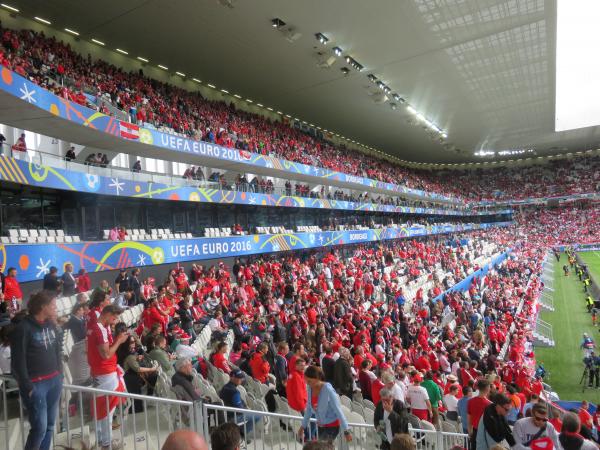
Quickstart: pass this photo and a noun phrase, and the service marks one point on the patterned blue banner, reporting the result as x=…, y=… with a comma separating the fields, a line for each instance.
x=23, y=172
x=22, y=88
x=33, y=260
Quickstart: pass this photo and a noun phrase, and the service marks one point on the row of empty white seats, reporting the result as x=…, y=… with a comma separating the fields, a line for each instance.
x=272, y=230
x=217, y=232
x=221, y=232
x=308, y=229
x=37, y=236
x=137, y=234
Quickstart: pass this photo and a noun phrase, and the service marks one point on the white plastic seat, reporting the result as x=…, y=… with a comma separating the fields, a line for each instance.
x=51, y=239
x=60, y=239
x=13, y=233
x=23, y=233
x=60, y=232
x=5, y=239
x=76, y=239
x=33, y=233
x=51, y=232
x=68, y=239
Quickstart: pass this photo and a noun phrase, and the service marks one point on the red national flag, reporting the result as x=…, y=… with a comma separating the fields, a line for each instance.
x=129, y=130
x=245, y=154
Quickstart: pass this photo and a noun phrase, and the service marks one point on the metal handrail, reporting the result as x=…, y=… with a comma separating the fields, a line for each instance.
x=46, y=158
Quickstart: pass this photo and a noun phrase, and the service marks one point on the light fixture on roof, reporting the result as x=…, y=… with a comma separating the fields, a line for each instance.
x=277, y=23
x=387, y=90
x=353, y=63
x=196, y=80
x=411, y=110
x=73, y=32
x=211, y=86
x=322, y=38
x=380, y=85
x=249, y=101
x=237, y=96
x=269, y=108
x=337, y=51
x=372, y=78
x=10, y=8
x=260, y=104
x=122, y=51
x=181, y=74
x=40, y=19
x=96, y=41
x=160, y=66
x=143, y=59
x=393, y=106
x=224, y=91
x=345, y=70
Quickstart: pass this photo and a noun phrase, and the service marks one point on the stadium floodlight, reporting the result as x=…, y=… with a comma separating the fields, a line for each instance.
x=277, y=23
x=143, y=59
x=96, y=41
x=10, y=8
x=40, y=19
x=122, y=51
x=73, y=32
x=322, y=38
x=337, y=51
x=160, y=66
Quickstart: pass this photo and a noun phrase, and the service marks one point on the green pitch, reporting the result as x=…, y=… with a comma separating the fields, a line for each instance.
x=569, y=321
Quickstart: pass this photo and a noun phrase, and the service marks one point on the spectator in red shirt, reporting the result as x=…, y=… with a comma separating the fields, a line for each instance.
x=12, y=289
x=296, y=387
x=83, y=281
x=476, y=406
x=102, y=358
x=259, y=367
x=218, y=358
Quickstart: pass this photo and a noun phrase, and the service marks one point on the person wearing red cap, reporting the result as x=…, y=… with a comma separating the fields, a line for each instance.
x=418, y=399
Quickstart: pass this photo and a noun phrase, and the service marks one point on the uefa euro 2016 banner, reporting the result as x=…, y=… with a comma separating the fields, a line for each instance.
x=23, y=172
x=34, y=260
x=22, y=88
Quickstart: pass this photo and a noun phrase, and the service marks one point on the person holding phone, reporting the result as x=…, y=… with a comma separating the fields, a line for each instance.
x=107, y=375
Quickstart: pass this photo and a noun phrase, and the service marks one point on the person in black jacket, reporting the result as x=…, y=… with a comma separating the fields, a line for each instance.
x=77, y=323
x=328, y=363
x=342, y=374
x=136, y=286
x=51, y=281
x=390, y=418
x=36, y=345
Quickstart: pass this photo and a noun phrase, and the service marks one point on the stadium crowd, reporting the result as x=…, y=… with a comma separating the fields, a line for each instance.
x=54, y=65
x=345, y=316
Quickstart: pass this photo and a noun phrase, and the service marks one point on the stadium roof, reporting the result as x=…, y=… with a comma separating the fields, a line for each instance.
x=481, y=71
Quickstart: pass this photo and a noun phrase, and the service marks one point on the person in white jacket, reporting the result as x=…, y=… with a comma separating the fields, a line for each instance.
x=569, y=438
x=535, y=427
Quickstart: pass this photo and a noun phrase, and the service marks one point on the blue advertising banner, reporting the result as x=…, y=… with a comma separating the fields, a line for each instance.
x=27, y=91
x=23, y=172
x=33, y=261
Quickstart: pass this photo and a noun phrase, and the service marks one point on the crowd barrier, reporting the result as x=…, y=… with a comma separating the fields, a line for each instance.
x=144, y=422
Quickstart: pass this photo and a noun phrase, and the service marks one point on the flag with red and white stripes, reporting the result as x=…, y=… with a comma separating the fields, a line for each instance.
x=129, y=130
